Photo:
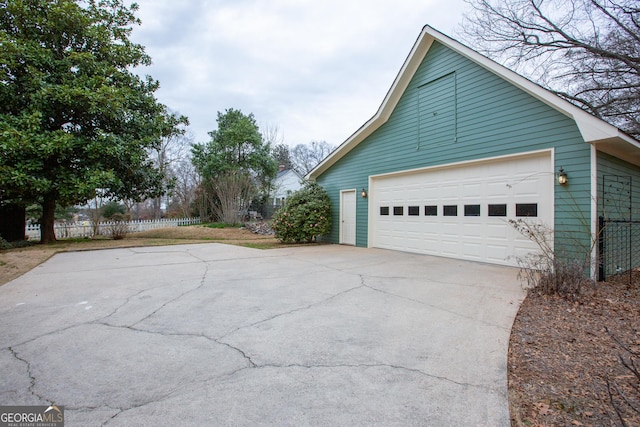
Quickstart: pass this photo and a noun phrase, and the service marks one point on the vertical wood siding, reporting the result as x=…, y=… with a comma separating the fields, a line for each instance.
x=492, y=118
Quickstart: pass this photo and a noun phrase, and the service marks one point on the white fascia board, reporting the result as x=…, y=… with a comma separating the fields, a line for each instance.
x=409, y=68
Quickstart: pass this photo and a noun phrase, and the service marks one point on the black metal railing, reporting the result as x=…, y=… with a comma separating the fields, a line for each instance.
x=618, y=246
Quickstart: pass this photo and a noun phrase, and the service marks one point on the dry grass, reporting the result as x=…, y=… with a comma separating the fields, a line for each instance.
x=15, y=262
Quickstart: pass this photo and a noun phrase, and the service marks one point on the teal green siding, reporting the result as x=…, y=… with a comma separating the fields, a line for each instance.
x=491, y=118
x=618, y=199
x=617, y=205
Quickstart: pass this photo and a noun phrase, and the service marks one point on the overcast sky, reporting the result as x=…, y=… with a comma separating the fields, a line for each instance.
x=316, y=70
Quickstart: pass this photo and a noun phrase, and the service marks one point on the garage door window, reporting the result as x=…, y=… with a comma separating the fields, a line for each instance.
x=471, y=210
x=431, y=210
x=384, y=210
x=414, y=210
x=526, y=209
x=498, y=210
x=450, y=210
x=398, y=210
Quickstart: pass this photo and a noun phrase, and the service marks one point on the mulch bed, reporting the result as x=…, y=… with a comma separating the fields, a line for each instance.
x=566, y=358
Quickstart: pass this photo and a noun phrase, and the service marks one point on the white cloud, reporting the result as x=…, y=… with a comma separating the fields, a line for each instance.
x=317, y=70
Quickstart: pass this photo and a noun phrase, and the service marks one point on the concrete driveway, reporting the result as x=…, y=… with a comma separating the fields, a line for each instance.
x=212, y=334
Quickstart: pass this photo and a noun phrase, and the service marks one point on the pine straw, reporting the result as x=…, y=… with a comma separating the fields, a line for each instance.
x=564, y=358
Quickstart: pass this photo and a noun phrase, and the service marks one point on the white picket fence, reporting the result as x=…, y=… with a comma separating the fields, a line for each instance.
x=85, y=228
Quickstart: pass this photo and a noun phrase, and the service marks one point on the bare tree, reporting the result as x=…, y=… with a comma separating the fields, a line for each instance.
x=201, y=202
x=231, y=193
x=184, y=192
x=586, y=51
x=305, y=157
x=95, y=210
x=172, y=149
x=271, y=135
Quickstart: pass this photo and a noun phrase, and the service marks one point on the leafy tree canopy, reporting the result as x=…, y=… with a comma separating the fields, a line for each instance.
x=113, y=208
x=73, y=117
x=236, y=145
x=282, y=156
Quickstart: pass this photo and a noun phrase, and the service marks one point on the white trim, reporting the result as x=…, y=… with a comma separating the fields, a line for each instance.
x=371, y=224
x=355, y=219
x=594, y=211
x=553, y=197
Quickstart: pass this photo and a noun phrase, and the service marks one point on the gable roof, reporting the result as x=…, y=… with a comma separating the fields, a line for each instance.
x=281, y=174
x=607, y=137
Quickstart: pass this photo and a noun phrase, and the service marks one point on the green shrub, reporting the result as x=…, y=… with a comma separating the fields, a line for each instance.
x=113, y=208
x=4, y=244
x=14, y=245
x=305, y=215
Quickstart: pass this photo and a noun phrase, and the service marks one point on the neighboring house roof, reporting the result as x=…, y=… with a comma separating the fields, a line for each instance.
x=607, y=137
x=283, y=173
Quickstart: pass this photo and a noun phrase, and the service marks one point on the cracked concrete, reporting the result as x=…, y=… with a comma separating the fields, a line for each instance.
x=221, y=335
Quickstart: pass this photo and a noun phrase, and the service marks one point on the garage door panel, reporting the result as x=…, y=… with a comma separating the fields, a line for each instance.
x=497, y=254
x=449, y=248
x=497, y=232
x=473, y=230
x=471, y=189
x=532, y=195
x=520, y=241
x=431, y=228
x=430, y=241
x=519, y=252
x=501, y=183
x=450, y=230
x=472, y=251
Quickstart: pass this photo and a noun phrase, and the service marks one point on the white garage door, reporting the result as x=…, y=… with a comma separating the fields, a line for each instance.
x=463, y=211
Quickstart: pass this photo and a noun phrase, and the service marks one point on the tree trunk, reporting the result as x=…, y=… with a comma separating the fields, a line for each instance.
x=47, y=234
x=157, y=208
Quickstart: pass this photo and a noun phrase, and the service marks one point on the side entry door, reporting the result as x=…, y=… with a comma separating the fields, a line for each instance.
x=348, y=217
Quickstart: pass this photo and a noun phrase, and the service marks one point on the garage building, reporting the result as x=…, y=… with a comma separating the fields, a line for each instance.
x=460, y=148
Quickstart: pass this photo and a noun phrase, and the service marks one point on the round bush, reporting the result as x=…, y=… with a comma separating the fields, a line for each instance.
x=305, y=215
